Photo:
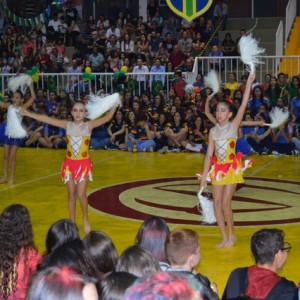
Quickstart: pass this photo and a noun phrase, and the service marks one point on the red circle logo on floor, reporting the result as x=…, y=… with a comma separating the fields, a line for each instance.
x=258, y=201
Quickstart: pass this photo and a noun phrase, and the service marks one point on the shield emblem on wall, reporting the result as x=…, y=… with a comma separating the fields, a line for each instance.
x=189, y=9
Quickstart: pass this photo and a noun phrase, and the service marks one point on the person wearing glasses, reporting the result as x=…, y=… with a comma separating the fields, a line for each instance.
x=261, y=281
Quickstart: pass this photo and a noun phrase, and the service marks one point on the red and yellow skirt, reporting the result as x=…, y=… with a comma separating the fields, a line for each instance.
x=76, y=169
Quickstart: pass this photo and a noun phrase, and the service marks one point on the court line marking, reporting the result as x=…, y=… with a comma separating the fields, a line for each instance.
x=54, y=174
x=264, y=166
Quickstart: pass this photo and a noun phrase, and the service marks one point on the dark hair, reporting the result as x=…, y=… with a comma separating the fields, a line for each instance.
x=61, y=232
x=230, y=106
x=102, y=251
x=152, y=236
x=265, y=243
x=74, y=255
x=138, y=261
x=15, y=235
x=58, y=283
x=114, y=285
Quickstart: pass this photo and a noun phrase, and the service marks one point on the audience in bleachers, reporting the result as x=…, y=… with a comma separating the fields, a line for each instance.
x=123, y=44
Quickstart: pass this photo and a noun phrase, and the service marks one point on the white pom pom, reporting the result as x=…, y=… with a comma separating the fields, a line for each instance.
x=278, y=117
x=19, y=83
x=249, y=50
x=14, y=127
x=212, y=80
x=189, y=88
x=97, y=106
x=207, y=207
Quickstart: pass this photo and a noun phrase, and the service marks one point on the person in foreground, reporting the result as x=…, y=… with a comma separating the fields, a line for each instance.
x=77, y=166
x=261, y=281
x=226, y=165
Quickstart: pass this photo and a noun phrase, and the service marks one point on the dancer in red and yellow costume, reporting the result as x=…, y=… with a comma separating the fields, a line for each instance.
x=77, y=166
x=223, y=166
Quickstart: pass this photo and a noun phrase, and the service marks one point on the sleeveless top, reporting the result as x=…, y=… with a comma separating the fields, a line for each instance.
x=78, y=140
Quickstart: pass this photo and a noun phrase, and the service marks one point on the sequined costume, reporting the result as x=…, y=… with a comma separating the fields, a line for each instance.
x=227, y=166
x=77, y=165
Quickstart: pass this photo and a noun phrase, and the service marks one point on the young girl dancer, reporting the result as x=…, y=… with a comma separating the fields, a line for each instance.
x=12, y=139
x=77, y=166
x=227, y=166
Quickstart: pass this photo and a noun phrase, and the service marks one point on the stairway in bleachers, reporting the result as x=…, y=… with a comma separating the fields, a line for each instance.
x=291, y=65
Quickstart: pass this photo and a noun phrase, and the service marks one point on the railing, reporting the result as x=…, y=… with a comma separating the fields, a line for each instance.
x=279, y=42
x=290, y=14
x=137, y=83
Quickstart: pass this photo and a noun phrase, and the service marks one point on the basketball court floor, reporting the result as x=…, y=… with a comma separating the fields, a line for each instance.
x=129, y=187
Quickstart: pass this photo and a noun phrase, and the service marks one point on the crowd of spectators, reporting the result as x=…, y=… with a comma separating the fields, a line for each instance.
x=160, y=264
x=160, y=112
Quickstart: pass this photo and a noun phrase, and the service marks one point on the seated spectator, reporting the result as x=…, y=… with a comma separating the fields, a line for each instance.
x=208, y=34
x=96, y=58
x=159, y=78
x=57, y=61
x=215, y=62
x=61, y=232
x=155, y=42
x=177, y=58
x=169, y=42
x=139, y=136
x=113, y=30
x=166, y=286
x=185, y=43
x=273, y=92
x=114, y=285
x=138, y=261
x=62, y=283
x=102, y=251
x=152, y=235
x=261, y=281
x=232, y=84
x=176, y=132
x=197, y=136
x=112, y=44
x=116, y=131
x=18, y=254
x=183, y=253
x=228, y=46
x=257, y=99
x=178, y=84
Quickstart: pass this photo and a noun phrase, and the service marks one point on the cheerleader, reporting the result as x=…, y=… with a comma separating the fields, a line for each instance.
x=223, y=166
x=14, y=132
x=77, y=166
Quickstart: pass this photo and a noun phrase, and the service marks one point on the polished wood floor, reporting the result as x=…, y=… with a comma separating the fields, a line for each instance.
x=128, y=187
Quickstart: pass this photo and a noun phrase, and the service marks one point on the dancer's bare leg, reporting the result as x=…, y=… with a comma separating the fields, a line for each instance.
x=13, y=161
x=228, y=215
x=81, y=193
x=72, y=199
x=217, y=191
x=5, y=163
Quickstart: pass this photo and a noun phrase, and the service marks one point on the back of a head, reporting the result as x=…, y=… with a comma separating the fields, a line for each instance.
x=180, y=244
x=58, y=283
x=61, y=232
x=15, y=235
x=102, y=251
x=15, y=222
x=265, y=243
x=137, y=261
x=165, y=286
x=114, y=285
x=74, y=255
x=152, y=236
